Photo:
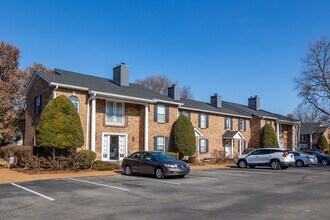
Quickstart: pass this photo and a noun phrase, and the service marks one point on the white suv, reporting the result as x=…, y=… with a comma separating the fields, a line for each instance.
x=276, y=158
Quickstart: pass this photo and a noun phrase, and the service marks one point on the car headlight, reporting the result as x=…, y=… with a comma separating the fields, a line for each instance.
x=170, y=165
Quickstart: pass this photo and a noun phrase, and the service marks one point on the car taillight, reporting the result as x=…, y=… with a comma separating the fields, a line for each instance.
x=285, y=154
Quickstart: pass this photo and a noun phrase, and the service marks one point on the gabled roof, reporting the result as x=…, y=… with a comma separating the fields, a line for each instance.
x=311, y=128
x=261, y=113
x=102, y=85
x=207, y=107
x=233, y=135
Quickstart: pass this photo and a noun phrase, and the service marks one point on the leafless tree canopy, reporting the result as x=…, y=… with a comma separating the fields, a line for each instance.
x=308, y=113
x=313, y=84
x=161, y=83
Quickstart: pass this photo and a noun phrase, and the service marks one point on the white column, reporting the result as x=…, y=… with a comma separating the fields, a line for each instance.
x=278, y=132
x=310, y=141
x=146, y=127
x=232, y=147
x=93, y=122
x=240, y=147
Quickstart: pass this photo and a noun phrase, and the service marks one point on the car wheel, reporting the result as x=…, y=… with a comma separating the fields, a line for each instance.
x=324, y=162
x=275, y=165
x=242, y=164
x=299, y=163
x=159, y=173
x=128, y=171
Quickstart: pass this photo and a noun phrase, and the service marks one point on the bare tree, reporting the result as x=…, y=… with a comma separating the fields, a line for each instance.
x=313, y=84
x=161, y=83
x=307, y=113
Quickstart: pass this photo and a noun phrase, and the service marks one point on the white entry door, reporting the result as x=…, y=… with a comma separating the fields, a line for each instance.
x=114, y=147
x=227, y=148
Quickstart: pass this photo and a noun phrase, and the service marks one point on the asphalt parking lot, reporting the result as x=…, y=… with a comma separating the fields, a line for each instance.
x=232, y=193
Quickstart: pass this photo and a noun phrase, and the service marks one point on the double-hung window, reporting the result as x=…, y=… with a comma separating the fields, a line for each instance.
x=161, y=113
x=115, y=113
x=269, y=122
x=203, y=121
x=303, y=138
x=160, y=144
x=202, y=145
x=228, y=123
x=241, y=124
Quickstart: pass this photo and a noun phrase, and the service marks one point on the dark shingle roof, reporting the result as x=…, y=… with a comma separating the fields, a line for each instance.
x=261, y=113
x=104, y=85
x=204, y=106
x=311, y=128
x=229, y=134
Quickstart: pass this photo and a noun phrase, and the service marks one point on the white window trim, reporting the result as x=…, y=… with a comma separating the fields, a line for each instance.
x=200, y=145
x=162, y=106
x=164, y=138
x=73, y=103
x=113, y=134
x=201, y=122
x=114, y=110
x=229, y=123
x=243, y=124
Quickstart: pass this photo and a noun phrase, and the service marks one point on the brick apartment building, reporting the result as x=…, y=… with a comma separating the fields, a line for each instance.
x=310, y=134
x=119, y=118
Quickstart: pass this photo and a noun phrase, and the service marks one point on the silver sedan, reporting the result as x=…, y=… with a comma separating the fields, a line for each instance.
x=302, y=159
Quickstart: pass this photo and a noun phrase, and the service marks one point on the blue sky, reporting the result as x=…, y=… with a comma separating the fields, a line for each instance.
x=233, y=48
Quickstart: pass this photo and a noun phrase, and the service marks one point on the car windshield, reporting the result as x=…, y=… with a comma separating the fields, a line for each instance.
x=160, y=156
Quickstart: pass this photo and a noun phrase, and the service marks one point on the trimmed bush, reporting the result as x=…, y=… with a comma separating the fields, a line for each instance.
x=173, y=154
x=184, y=141
x=268, y=137
x=60, y=125
x=105, y=165
x=85, y=159
x=322, y=143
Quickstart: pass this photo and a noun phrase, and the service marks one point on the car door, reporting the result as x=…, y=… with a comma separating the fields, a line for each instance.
x=253, y=157
x=264, y=156
x=134, y=162
x=146, y=163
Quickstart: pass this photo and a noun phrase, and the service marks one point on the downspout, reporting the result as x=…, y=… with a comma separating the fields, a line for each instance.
x=87, y=121
x=55, y=92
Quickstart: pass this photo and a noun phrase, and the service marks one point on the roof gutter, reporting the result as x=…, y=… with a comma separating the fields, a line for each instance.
x=213, y=112
x=168, y=102
x=122, y=97
x=68, y=86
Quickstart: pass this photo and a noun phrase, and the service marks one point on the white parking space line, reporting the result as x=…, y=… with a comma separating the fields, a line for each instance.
x=152, y=180
x=99, y=184
x=39, y=194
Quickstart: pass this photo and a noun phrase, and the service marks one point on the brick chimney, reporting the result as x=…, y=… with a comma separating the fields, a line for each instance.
x=121, y=74
x=254, y=102
x=216, y=100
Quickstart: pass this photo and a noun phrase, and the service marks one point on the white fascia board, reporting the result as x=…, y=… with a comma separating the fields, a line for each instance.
x=287, y=122
x=31, y=81
x=69, y=86
x=168, y=102
x=122, y=97
x=212, y=112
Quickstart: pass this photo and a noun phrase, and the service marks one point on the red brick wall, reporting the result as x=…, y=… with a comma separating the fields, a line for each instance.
x=39, y=87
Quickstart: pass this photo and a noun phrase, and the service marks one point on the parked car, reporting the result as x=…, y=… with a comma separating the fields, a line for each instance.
x=303, y=159
x=276, y=158
x=155, y=163
x=321, y=158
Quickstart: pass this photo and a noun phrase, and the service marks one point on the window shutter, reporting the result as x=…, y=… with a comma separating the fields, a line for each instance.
x=167, y=114
x=155, y=115
x=244, y=124
x=189, y=115
x=207, y=145
x=166, y=145
x=155, y=143
x=199, y=145
x=231, y=123
x=225, y=122
x=199, y=120
x=207, y=121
